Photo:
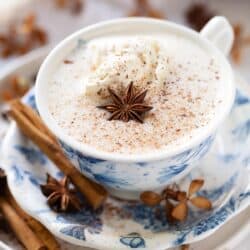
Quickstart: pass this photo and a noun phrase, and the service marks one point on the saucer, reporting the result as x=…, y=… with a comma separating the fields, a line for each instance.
x=124, y=224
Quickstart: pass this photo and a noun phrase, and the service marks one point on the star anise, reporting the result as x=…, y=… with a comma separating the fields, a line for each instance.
x=129, y=107
x=171, y=196
x=60, y=196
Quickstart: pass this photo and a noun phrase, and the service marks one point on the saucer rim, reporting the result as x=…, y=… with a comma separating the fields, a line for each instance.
x=74, y=241
x=98, y=244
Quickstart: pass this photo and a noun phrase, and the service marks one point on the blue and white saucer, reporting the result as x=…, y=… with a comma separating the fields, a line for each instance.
x=126, y=225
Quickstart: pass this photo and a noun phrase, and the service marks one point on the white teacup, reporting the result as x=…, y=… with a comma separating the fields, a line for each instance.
x=124, y=176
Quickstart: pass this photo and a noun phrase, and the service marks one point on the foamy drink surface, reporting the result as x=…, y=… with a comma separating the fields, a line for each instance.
x=183, y=80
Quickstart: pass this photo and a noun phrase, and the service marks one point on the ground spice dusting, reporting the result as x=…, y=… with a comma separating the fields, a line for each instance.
x=180, y=106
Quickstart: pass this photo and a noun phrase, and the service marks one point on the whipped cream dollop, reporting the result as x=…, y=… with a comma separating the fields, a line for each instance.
x=116, y=63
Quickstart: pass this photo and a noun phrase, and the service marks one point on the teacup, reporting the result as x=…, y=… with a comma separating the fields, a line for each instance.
x=128, y=176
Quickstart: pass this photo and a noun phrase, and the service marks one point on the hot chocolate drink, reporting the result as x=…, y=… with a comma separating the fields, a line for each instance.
x=182, y=80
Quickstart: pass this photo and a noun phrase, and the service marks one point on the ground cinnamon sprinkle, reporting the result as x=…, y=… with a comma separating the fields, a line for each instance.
x=180, y=106
x=68, y=61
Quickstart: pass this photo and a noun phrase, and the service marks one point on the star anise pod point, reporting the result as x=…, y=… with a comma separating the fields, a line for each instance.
x=129, y=107
x=60, y=196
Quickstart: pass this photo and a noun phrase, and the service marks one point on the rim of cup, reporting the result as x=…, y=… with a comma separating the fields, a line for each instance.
x=116, y=26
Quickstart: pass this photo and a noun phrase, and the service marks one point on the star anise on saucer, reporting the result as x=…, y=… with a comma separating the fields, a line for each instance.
x=240, y=42
x=60, y=196
x=176, y=201
x=131, y=106
x=143, y=8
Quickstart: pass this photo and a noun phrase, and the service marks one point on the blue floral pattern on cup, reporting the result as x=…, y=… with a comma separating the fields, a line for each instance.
x=128, y=178
x=137, y=176
x=241, y=98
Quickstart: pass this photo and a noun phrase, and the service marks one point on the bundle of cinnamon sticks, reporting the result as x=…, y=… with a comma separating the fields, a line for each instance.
x=32, y=126
x=31, y=233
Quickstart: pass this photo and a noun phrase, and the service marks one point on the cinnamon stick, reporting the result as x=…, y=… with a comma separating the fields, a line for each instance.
x=32, y=126
x=29, y=112
x=47, y=238
x=26, y=236
x=29, y=129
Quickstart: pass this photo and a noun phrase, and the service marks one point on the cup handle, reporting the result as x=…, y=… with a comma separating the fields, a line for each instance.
x=219, y=31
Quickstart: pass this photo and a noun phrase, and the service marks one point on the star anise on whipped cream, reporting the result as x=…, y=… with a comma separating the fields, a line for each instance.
x=60, y=196
x=131, y=106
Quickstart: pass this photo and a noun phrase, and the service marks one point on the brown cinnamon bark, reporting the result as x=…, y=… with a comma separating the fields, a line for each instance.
x=26, y=236
x=47, y=238
x=29, y=113
x=32, y=126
